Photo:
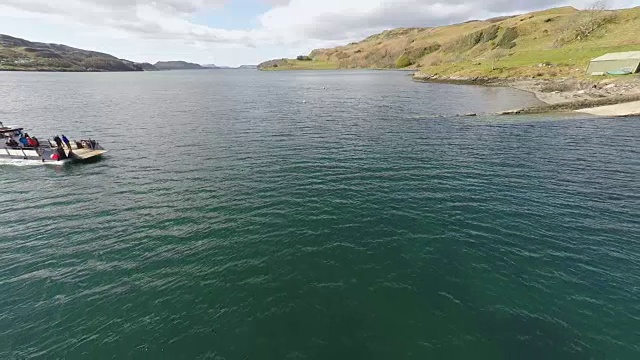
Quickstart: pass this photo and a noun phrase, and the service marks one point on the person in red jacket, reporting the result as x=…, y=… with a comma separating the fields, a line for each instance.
x=31, y=142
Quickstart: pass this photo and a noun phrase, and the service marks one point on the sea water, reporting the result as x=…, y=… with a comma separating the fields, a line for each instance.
x=315, y=215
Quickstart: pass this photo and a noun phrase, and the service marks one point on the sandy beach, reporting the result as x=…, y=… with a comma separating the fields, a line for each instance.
x=624, y=109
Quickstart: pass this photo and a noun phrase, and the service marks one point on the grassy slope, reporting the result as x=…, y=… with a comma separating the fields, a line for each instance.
x=9, y=55
x=292, y=64
x=445, y=51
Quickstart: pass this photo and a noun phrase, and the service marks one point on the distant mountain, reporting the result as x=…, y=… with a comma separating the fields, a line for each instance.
x=177, y=65
x=231, y=67
x=24, y=55
x=222, y=67
x=147, y=67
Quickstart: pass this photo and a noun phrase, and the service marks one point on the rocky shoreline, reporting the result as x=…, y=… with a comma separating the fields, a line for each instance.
x=563, y=94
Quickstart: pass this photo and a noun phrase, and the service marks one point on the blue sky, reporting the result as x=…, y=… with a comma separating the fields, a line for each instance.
x=236, y=32
x=234, y=15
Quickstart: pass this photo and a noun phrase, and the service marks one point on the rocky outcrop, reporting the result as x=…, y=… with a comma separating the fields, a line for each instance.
x=477, y=80
x=272, y=64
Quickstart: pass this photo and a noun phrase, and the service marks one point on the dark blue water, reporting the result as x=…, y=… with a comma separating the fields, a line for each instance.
x=305, y=215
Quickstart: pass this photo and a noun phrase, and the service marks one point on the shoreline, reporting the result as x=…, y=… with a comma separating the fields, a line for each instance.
x=620, y=96
x=69, y=70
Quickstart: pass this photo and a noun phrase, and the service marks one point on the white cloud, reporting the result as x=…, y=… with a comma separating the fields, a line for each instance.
x=341, y=20
x=290, y=26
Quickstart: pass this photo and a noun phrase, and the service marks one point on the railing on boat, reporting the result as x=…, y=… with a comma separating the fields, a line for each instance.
x=20, y=152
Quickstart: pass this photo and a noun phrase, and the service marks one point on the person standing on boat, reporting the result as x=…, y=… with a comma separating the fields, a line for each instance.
x=57, y=140
x=66, y=141
x=61, y=154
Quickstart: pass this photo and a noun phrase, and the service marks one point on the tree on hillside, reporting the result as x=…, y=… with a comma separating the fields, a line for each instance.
x=496, y=55
x=600, y=5
x=596, y=17
x=585, y=23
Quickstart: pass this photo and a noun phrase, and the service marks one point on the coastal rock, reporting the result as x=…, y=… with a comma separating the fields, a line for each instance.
x=272, y=64
x=454, y=79
x=512, y=112
x=423, y=76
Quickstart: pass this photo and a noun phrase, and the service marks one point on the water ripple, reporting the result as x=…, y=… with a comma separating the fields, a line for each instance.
x=231, y=220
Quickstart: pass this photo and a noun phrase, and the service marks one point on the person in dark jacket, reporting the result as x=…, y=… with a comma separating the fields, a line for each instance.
x=12, y=143
x=57, y=140
x=61, y=153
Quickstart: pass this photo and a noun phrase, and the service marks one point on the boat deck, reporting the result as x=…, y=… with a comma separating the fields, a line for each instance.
x=84, y=154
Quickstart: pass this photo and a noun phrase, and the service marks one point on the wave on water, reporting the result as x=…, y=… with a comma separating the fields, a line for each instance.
x=230, y=221
x=22, y=162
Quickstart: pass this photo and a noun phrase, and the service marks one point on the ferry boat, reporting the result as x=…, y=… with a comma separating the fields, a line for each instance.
x=18, y=145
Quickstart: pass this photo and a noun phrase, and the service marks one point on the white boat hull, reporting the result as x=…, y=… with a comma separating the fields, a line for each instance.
x=21, y=148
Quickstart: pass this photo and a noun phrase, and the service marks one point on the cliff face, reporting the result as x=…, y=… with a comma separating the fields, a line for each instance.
x=551, y=43
x=20, y=54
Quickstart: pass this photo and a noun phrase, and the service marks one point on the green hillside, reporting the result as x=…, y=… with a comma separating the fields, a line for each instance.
x=295, y=64
x=24, y=55
x=551, y=43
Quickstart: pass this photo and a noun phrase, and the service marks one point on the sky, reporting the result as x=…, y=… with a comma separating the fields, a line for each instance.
x=238, y=32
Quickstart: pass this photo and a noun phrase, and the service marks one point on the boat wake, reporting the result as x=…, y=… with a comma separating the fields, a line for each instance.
x=21, y=162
